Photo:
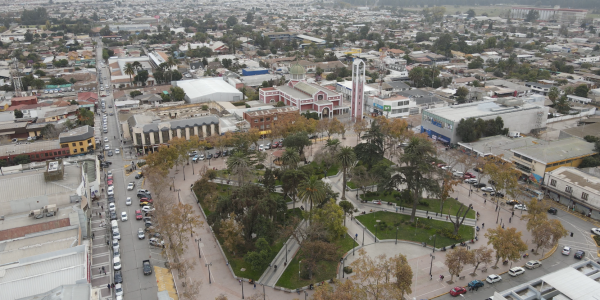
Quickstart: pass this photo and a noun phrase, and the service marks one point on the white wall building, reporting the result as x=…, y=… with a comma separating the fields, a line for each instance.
x=575, y=188
x=209, y=89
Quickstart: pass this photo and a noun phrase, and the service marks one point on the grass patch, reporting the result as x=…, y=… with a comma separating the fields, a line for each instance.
x=407, y=231
x=451, y=205
x=351, y=184
x=327, y=269
x=237, y=263
x=317, y=169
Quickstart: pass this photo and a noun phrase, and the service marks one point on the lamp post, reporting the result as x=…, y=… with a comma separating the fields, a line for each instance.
x=376, y=229
x=431, y=264
x=299, y=269
x=434, y=239
x=343, y=266
x=198, y=241
x=354, y=241
x=396, y=235
x=208, y=265
x=264, y=294
x=286, y=251
x=363, y=241
x=242, y=283
x=193, y=172
x=416, y=224
x=177, y=190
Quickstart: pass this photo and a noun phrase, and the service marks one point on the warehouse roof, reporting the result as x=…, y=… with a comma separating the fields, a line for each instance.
x=77, y=134
x=557, y=150
x=477, y=110
x=205, y=87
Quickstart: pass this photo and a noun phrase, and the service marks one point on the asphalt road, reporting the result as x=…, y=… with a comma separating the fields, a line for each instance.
x=581, y=240
x=133, y=250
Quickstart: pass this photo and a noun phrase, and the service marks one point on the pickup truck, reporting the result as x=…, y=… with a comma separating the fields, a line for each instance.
x=147, y=267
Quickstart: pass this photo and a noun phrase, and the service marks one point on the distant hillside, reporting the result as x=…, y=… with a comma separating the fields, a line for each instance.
x=584, y=4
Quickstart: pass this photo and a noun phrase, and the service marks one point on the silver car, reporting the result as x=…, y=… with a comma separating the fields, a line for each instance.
x=141, y=234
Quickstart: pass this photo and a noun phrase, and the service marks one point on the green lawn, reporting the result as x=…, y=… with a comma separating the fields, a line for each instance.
x=451, y=206
x=327, y=269
x=407, y=231
x=317, y=169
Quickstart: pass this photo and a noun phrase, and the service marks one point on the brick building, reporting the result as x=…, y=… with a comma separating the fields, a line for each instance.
x=263, y=119
x=24, y=100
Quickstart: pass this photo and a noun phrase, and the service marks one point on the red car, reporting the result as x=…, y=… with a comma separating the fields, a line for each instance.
x=457, y=291
x=441, y=165
x=470, y=174
x=144, y=199
x=109, y=177
x=110, y=182
x=138, y=214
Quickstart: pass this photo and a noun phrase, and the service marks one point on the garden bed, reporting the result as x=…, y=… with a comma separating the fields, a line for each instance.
x=451, y=205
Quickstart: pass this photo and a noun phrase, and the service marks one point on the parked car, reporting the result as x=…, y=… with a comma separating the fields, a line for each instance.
x=493, y=278
x=552, y=210
x=521, y=207
x=596, y=231
x=117, y=151
x=512, y=202
x=111, y=207
x=566, y=250
x=139, y=175
x=209, y=156
x=149, y=200
x=156, y=242
x=116, y=261
x=516, y=271
x=579, y=254
x=487, y=189
x=118, y=276
x=113, y=215
x=497, y=194
x=475, y=284
x=225, y=153
x=532, y=264
x=217, y=154
x=480, y=185
x=471, y=180
x=110, y=190
x=118, y=290
x=459, y=290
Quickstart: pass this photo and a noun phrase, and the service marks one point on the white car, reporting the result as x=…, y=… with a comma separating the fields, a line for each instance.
x=532, y=264
x=116, y=235
x=130, y=186
x=141, y=234
x=471, y=180
x=147, y=209
x=118, y=290
x=109, y=173
x=106, y=147
x=566, y=250
x=261, y=147
x=117, y=263
x=106, y=139
x=596, y=231
x=521, y=207
x=111, y=207
x=516, y=271
x=487, y=189
x=123, y=216
x=111, y=191
x=117, y=151
x=492, y=278
x=128, y=201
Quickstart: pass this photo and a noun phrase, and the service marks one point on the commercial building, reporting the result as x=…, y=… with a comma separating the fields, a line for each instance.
x=304, y=40
x=263, y=119
x=536, y=159
x=307, y=97
x=395, y=106
x=550, y=14
x=440, y=123
x=23, y=100
x=37, y=151
x=79, y=140
x=254, y=71
x=208, y=90
x=148, y=134
x=574, y=188
x=577, y=281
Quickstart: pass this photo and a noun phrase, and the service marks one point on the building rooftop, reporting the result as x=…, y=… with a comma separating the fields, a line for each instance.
x=480, y=109
x=500, y=145
x=557, y=150
x=77, y=134
x=39, y=274
x=272, y=111
x=28, y=147
x=180, y=124
x=35, y=244
x=578, y=178
x=293, y=92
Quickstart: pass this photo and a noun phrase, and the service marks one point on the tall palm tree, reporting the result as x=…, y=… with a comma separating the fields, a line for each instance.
x=290, y=180
x=129, y=70
x=171, y=62
x=346, y=157
x=312, y=190
x=290, y=158
x=238, y=164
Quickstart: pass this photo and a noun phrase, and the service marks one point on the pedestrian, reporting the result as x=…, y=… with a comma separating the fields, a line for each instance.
x=100, y=215
x=240, y=281
x=509, y=219
x=104, y=272
x=502, y=226
x=430, y=277
x=356, y=236
x=112, y=286
x=484, y=201
x=107, y=243
x=108, y=286
x=482, y=225
x=513, y=213
x=98, y=204
x=102, y=207
x=254, y=285
x=446, y=218
x=93, y=235
x=427, y=213
x=476, y=288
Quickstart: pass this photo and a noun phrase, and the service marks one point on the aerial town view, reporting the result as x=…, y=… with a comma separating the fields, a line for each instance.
x=323, y=150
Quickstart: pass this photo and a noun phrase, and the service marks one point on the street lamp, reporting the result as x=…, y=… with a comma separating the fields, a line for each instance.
x=431, y=264
x=416, y=226
x=242, y=283
x=299, y=269
x=208, y=265
x=264, y=294
x=343, y=266
x=396, y=235
x=376, y=229
x=354, y=241
x=434, y=239
x=198, y=241
x=177, y=190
